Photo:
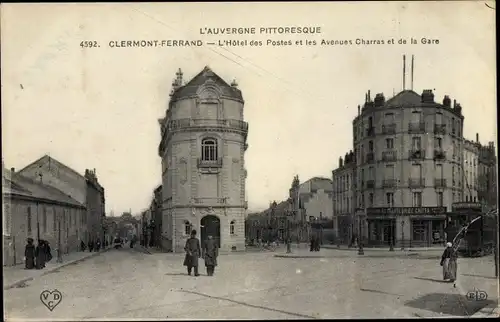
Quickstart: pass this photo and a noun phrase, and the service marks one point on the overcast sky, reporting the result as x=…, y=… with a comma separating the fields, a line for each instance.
x=98, y=107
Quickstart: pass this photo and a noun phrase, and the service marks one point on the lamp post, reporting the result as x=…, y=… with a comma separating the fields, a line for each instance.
x=360, y=244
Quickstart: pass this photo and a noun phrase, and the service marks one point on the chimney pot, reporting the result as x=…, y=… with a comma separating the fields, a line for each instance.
x=477, y=137
x=359, y=108
x=13, y=169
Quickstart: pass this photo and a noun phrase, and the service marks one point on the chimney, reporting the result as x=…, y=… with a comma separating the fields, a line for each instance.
x=340, y=162
x=369, y=96
x=404, y=72
x=359, y=107
x=477, y=137
x=13, y=169
x=179, y=77
x=446, y=101
x=454, y=103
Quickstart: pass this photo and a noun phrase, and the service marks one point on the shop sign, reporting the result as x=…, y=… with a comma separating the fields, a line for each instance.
x=406, y=211
x=466, y=206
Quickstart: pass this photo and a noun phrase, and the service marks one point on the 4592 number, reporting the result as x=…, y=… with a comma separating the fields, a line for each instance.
x=89, y=44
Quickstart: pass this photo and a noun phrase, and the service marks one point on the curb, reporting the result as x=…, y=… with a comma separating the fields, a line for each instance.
x=15, y=284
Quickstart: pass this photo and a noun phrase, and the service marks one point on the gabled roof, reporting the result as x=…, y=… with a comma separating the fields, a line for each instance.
x=406, y=98
x=16, y=184
x=191, y=87
x=46, y=159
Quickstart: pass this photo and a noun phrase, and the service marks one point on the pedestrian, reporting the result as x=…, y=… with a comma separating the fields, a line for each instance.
x=210, y=253
x=193, y=252
x=449, y=263
x=98, y=245
x=82, y=245
x=29, y=254
x=91, y=246
x=40, y=255
x=311, y=248
x=317, y=244
x=48, y=251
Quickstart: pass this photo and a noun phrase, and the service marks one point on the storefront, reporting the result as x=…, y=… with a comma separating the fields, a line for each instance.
x=406, y=226
x=345, y=229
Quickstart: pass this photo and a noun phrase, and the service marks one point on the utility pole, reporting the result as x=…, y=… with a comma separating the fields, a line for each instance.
x=59, y=255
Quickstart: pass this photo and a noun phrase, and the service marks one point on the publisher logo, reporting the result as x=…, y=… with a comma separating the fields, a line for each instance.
x=477, y=295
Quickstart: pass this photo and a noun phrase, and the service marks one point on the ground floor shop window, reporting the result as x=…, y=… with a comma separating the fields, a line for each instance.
x=419, y=231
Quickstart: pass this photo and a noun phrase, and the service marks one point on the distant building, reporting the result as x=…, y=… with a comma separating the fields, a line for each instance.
x=471, y=169
x=346, y=226
x=202, y=147
x=157, y=216
x=33, y=209
x=487, y=176
x=84, y=189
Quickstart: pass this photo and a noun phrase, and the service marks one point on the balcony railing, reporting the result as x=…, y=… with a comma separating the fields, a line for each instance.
x=210, y=163
x=416, y=154
x=370, y=131
x=389, y=155
x=440, y=129
x=416, y=127
x=416, y=182
x=389, y=183
x=216, y=200
x=389, y=128
x=439, y=154
x=370, y=184
x=440, y=183
x=370, y=157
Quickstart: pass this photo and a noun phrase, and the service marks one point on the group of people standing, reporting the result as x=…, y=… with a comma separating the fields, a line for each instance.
x=92, y=245
x=37, y=256
x=209, y=251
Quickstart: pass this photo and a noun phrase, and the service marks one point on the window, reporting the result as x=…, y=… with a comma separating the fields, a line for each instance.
x=417, y=199
x=370, y=122
x=440, y=199
x=187, y=228
x=44, y=220
x=419, y=228
x=439, y=171
x=362, y=177
x=416, y=116
x=231, y=227
x=388, y=118
x=389, y=199
x=370, y=146
x=209, y=149
x=453, y=128
x=439, y=118
x=389, y=172
x=438, y=143
x=371, y=173
x=453, y=197
x=29, y=219
x=416, y=171
x=416, y=143
x=389, y=143
x=370, y=200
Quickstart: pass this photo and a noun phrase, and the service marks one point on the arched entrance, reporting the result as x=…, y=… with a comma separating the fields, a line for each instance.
x=210, y=225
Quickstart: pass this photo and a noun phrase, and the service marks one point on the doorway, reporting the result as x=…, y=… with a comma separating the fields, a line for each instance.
x=210, y=226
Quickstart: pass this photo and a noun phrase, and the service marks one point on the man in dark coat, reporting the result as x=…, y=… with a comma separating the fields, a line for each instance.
x=313, y=243
x=210, y=253
x=193, y=252
x=91, y=245
x=40, y=254
x=98, y=245
x=82, y=246
x=29, y=254
x=48, y=251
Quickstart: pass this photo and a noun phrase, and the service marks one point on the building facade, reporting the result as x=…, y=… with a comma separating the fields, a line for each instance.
x=32, y=209
x=487, y=176
x=84, y=189
x=346, y=226
x=203, y=144
x=409, y=165
x=471, y=169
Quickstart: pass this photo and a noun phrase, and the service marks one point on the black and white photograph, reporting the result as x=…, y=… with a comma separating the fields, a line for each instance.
x=249, y=160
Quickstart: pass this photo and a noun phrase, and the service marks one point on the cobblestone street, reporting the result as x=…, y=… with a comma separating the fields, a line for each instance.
x=130, y=284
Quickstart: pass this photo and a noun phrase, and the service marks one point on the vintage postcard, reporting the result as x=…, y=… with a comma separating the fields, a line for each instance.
x=249, y=160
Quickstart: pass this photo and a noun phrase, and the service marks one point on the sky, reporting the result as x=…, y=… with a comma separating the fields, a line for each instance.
x=99, y=107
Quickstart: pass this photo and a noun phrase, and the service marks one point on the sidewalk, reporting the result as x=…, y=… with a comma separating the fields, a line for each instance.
x=14, y=276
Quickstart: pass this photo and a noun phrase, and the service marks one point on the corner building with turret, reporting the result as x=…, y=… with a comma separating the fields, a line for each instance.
x=203, y=144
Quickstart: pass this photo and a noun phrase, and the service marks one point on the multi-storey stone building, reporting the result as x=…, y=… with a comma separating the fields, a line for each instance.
x=470, y=169
x=85, y=190
x=408, y=153
x=487, y=176
x=203, y=143
x=346, y=225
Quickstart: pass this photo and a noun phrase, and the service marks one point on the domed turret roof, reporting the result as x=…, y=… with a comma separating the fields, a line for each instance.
x=191, y=87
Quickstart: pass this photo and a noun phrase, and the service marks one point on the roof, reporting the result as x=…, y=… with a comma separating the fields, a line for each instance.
x=46, y=159
x=406, y=98
x=191, y=87
x=18, y=185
